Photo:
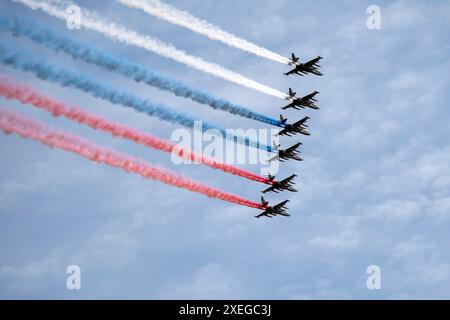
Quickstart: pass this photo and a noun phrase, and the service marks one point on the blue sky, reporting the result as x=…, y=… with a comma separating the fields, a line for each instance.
x=373, y=186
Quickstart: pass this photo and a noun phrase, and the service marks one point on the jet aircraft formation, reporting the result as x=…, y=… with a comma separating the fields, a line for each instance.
x=11, y=56
x=290, y=129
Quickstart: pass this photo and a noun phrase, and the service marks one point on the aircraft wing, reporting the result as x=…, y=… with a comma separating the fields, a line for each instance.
x=288, y=179
x=301, y=122
x=262, y=214
x=271, y=188
x=281, y=206
x=317, y=73
x=284, y=214
x=292, y=148
x=280, y=133
x=309, y=96
x=312, y=62
x=290, y=105
x=290, y=72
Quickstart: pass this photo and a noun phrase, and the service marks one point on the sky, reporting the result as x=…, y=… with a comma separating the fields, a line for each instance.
x=373, y=186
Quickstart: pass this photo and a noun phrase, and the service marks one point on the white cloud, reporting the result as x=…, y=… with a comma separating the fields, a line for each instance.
x=393, y=211
x=347, y=237
x=212, y=281
x=33, y=277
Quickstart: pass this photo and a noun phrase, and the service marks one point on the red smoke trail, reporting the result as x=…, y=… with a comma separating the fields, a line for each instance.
x=28, y=128
x=28, y=95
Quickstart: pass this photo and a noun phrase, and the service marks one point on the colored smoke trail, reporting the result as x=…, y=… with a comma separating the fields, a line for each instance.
x=91, y=21
x=27, y=95
x=125, y=68
x=173, y=15
x=67, y=78
x=30, y=129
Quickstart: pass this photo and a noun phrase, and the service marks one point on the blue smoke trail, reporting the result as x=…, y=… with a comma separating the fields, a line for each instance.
x=67, y=78
x=125, y=68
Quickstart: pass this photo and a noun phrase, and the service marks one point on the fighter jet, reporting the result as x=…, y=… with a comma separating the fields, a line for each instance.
x=294, y=60
x=271, y=211
x=289, y=153
x=293, y=128
x=282, y=185
x=306, y=101
x=300, y=69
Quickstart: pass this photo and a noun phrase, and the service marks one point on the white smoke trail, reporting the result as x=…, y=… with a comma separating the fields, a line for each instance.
x=90, y=21
x=185, y=19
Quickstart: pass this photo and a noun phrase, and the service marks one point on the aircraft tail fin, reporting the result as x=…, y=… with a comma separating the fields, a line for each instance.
x=292, y=93
x=264, y=202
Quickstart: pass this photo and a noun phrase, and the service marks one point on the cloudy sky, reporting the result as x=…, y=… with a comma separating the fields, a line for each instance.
x=374, y=185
